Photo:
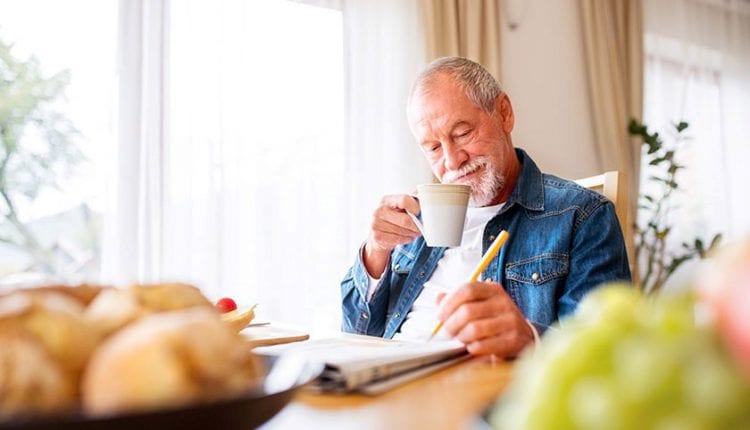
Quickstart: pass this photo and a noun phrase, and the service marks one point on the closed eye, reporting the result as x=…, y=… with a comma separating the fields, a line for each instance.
x=463, y=134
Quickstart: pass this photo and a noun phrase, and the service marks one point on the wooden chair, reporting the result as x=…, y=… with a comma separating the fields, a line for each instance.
x=614, y=187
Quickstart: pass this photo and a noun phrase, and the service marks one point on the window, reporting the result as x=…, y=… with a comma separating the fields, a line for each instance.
x=696, y=71
x=55, y=175
x=239, y=173
x=254, y=163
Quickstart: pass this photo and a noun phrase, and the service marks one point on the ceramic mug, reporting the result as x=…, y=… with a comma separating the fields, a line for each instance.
x=443, y=209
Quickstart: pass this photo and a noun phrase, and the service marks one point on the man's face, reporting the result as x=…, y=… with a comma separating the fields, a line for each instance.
x=463, y=143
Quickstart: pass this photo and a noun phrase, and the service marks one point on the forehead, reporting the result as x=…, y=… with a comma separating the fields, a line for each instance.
x=440, y=104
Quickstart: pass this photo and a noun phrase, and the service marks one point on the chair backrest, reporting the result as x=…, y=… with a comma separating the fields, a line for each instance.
x=613, y=186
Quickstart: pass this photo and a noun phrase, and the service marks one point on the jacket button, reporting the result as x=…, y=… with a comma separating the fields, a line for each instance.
x=420, y=275
x=364, y=315
x=535, y=276
x=397, y=315
x=396, y=267
x=492, y=237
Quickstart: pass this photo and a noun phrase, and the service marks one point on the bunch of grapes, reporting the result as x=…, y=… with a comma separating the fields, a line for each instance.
x=626, y=361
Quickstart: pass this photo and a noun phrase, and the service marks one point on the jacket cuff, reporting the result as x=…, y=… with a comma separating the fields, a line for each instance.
x=534, y=331
x=362, y=278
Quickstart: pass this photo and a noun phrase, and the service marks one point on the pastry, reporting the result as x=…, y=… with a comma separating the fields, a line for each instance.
x=168, y=360
x=45, y=346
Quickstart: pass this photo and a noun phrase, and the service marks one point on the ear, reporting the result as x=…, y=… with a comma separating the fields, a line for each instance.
x=504, y=111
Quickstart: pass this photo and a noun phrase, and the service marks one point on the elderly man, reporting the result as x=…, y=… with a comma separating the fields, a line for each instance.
x=564, y=241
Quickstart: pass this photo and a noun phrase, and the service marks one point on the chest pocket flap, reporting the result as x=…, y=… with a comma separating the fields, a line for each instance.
x=538, y=269
x=403, y=262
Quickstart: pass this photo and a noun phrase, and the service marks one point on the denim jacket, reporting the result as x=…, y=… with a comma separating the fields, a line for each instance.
x=564, y=241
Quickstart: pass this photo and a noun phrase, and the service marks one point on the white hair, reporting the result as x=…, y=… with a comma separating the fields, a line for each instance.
x=478, y=83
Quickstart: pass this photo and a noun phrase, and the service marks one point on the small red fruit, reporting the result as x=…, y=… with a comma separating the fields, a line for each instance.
x=225, y=305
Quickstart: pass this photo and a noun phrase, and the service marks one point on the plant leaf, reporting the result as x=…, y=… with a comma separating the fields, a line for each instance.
x=715, y=242
x=699, y=247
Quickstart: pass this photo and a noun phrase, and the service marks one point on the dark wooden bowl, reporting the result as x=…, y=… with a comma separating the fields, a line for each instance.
x=249, y=410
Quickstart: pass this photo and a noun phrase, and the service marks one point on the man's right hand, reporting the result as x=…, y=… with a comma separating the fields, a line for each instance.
x=390, y=226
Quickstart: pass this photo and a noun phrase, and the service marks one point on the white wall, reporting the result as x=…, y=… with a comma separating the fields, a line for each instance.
x=545, y=77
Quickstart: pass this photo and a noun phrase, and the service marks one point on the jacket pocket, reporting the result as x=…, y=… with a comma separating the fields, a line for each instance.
x=534, y=284
x=537, y=270
x=402, y=262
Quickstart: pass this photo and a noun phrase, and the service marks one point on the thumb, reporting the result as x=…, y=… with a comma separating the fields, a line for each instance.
x=440, y=296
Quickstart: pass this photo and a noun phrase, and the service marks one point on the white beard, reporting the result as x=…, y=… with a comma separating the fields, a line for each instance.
x=485, y=188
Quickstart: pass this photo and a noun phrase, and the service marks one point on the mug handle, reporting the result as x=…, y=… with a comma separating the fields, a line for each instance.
x=417, y=222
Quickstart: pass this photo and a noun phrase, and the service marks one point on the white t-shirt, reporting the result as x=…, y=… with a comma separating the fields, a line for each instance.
x=453, y=270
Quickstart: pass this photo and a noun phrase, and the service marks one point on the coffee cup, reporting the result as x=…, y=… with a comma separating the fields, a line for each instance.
x=443, y=213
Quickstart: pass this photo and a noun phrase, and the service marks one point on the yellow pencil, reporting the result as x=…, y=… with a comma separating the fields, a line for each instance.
x=483, y=263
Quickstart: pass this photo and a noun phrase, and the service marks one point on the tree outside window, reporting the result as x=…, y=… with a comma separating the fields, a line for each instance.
x=38, y=148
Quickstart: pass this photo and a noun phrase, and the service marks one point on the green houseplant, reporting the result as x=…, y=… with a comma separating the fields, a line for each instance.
x=656, y=262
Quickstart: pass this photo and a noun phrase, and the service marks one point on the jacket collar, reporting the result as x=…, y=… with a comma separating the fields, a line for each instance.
x=529, y=189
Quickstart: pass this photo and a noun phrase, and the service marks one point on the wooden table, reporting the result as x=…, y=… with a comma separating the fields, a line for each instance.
x=449, y=399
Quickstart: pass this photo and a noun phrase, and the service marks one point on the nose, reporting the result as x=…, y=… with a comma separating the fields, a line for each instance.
x=453, y=156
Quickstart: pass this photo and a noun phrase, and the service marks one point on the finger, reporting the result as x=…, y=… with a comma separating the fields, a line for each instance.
x=401, y=218
x=440, y=296
x=471, y=311
x=393, y=221
x=403, y=202
x=506, y=345
x=388, y=241
x=483, y=328
x=389, y=227
x=472, y=291
x=396, y=217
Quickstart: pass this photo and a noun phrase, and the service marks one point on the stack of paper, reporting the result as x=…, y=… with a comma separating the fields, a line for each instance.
x=370, y=364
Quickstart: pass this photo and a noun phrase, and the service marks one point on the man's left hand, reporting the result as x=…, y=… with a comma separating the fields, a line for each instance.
x=485, y=319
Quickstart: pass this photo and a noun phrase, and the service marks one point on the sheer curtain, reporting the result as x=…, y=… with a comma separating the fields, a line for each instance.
x=697, y=69
x=131, y=236
x=259, y=144
x=384, y=51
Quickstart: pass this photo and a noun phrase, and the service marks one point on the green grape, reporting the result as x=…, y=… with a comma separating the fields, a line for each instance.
x=669, y=316
x=594, y=403
x=643, y=368
x=710, y=385
x=585, y=353
x=680, y=422
x=625, y=361
x=612, y=304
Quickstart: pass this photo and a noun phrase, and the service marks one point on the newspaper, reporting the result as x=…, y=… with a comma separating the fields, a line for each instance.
x=371, y=364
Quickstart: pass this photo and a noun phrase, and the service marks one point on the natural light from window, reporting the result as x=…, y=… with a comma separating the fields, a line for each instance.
x=255, y=161
x=64, y=220
x=249, y=173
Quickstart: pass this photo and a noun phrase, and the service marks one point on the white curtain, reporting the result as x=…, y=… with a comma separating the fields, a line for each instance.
x=132, y=234
x=260, y=146
x=384, y=51
x=697, y=69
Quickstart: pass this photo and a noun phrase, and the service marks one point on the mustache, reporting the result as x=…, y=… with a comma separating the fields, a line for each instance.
x=472, y=165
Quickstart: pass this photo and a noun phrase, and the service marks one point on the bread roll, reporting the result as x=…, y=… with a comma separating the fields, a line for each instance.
x=112, y=310
x=83, y=293
x=44, y=346
x=31, y=382
x=115, y=308
x=169, y=297
x=168, y=360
